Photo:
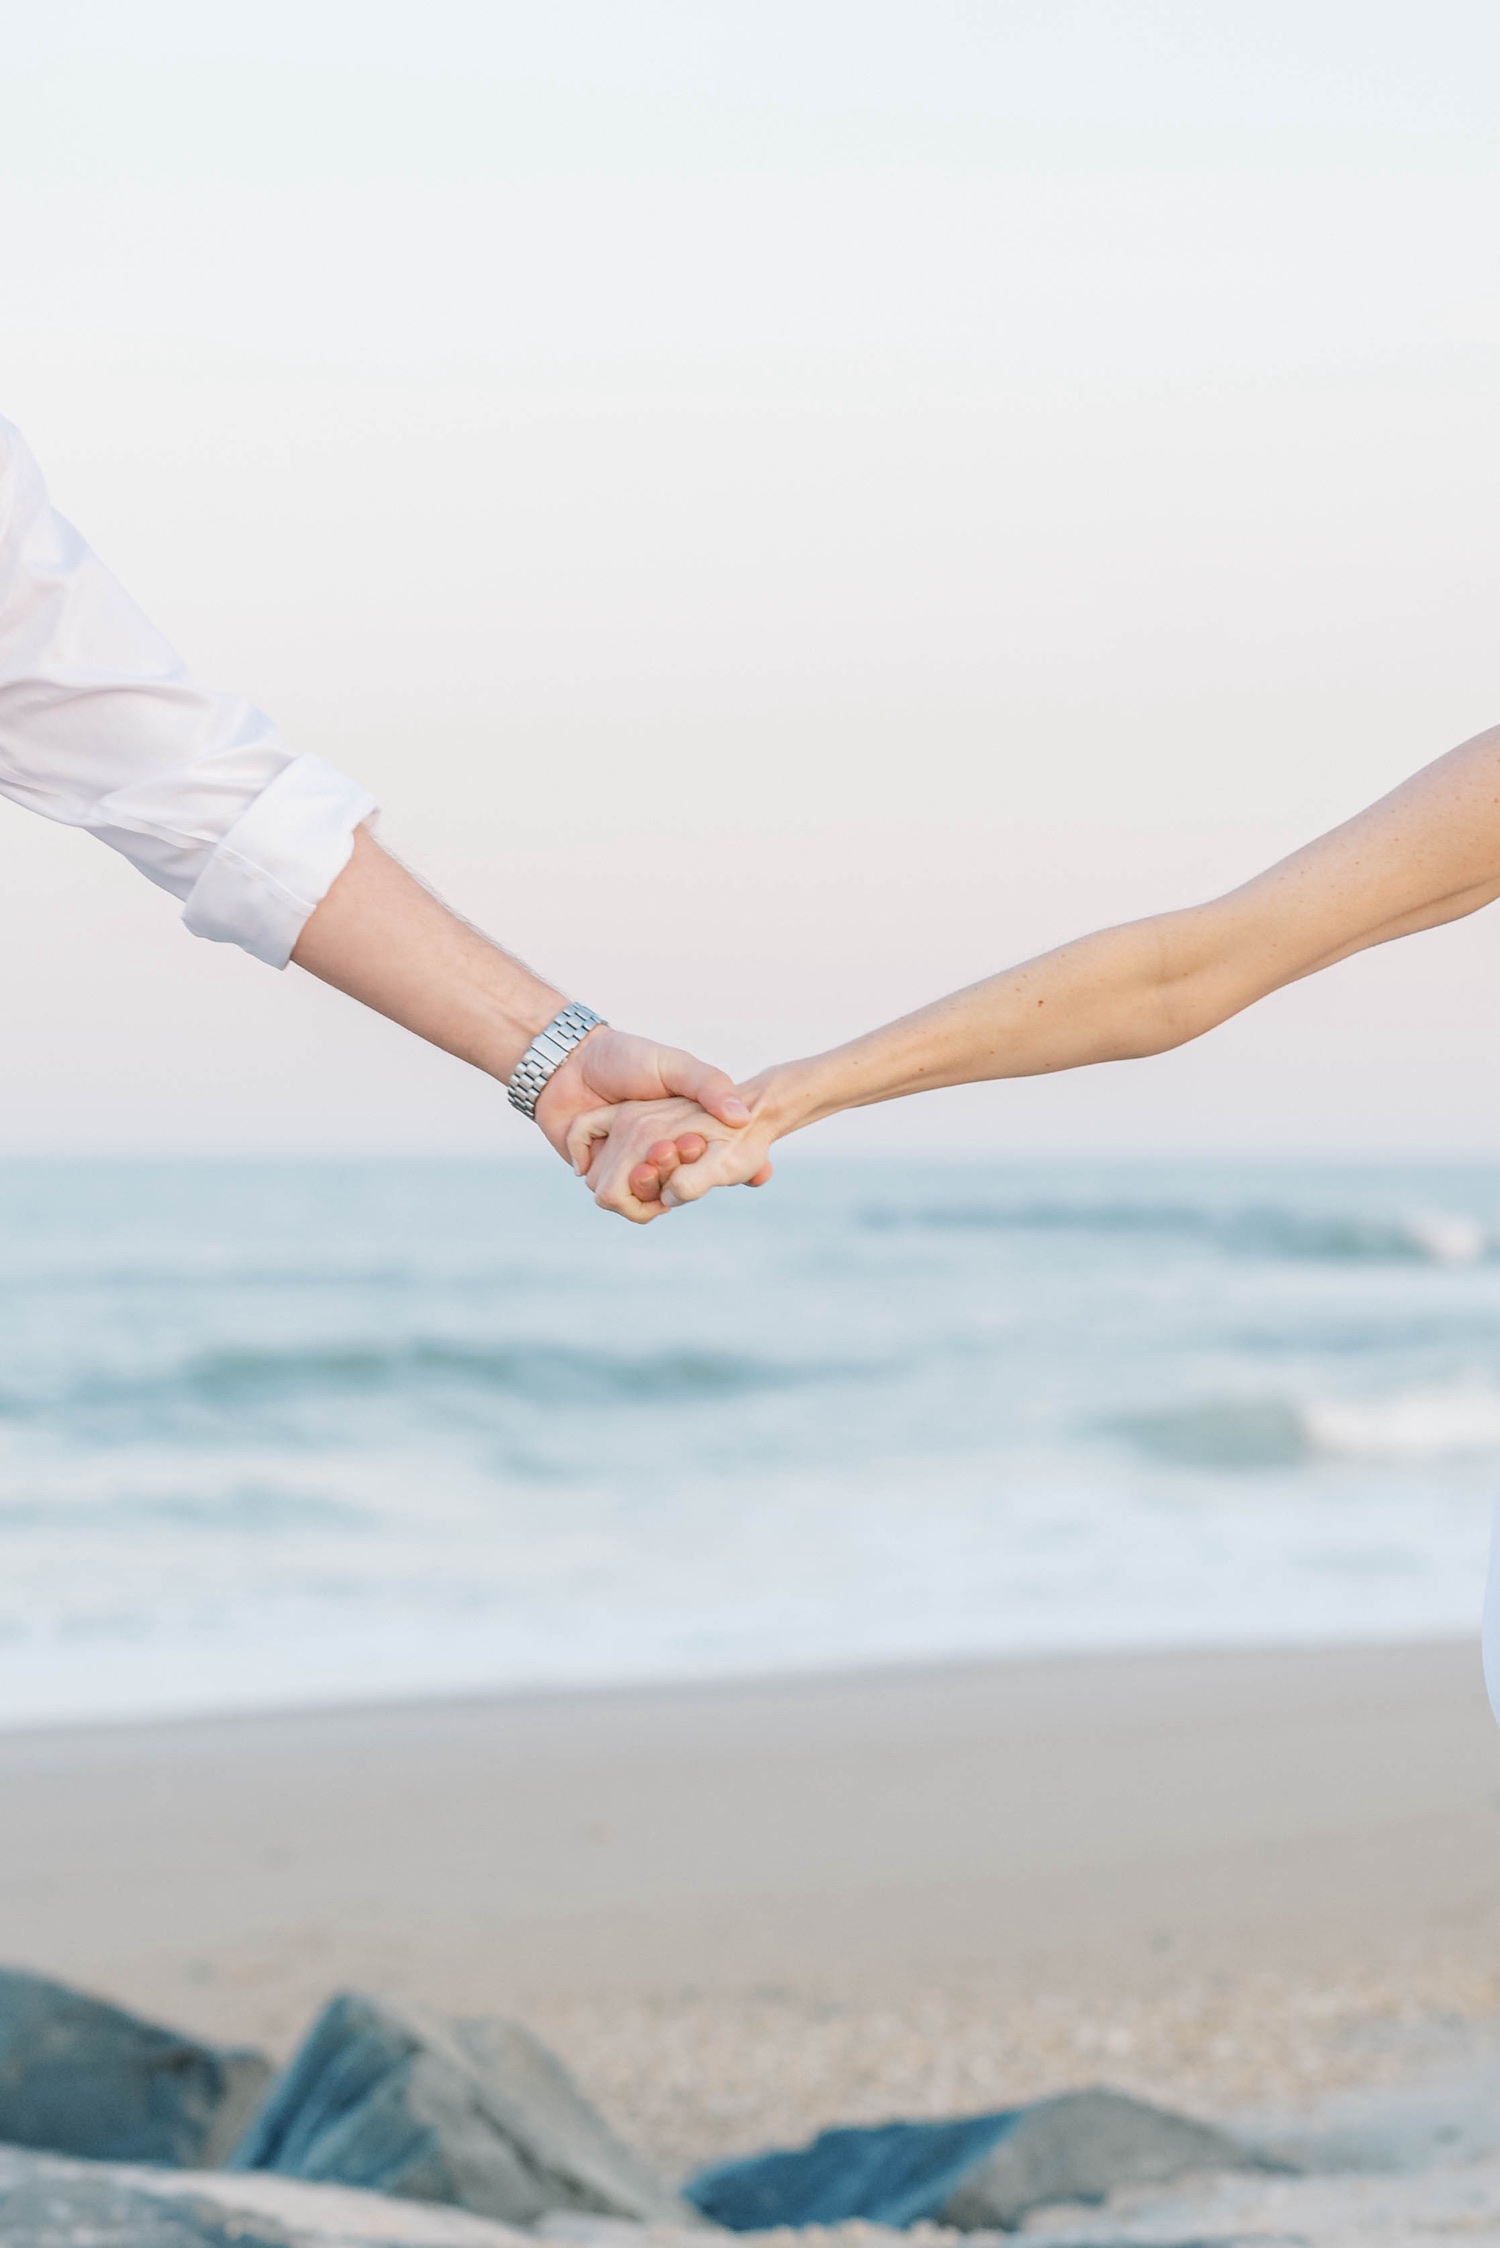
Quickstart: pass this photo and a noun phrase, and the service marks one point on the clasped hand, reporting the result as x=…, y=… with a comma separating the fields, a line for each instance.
x=643, y=1158
x=650, y=1127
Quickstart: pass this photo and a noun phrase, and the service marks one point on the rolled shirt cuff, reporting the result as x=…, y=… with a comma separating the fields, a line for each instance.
x=279, y=860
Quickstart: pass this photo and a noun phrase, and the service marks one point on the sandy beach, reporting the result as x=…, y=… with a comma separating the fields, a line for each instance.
x=1241, y=1881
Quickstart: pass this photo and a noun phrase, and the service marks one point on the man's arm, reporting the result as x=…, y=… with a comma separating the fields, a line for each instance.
x=102, y=727
x=385, y=940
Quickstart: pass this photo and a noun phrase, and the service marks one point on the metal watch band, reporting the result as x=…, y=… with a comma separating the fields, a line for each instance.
x=547, y=1052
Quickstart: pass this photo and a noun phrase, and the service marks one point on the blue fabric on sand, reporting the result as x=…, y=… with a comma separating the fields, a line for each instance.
x=892, y=2173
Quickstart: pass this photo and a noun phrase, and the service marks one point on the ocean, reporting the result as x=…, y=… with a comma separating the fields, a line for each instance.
x=292, y=1433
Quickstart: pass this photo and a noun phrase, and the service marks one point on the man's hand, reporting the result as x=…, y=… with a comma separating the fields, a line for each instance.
x=612, y=1066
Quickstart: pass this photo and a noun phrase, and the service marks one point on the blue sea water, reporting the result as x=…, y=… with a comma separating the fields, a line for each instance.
x=282, y=1433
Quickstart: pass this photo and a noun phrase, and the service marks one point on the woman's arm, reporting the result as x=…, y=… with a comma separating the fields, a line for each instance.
x=1427, y=853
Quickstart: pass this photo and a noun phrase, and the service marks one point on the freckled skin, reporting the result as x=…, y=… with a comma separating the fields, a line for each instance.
x=1427, y=853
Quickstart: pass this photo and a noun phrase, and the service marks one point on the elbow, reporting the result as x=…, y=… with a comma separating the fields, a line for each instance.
x=1185, y=989
x=1142, y=989
x=1187, y=1007
x=1153, y=1035
x=1155, y=1020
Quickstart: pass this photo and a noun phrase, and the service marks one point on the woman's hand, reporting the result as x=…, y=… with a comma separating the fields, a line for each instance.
x=643, y=1158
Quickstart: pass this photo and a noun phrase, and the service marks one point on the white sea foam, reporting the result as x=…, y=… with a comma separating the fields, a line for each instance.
x=1450, y=1239
x=1417, y=1424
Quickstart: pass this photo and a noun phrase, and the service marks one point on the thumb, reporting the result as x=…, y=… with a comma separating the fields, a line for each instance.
x=712, y=1089
x=583, y=1134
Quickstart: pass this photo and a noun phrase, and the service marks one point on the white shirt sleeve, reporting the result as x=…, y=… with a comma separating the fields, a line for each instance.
x=101, y=728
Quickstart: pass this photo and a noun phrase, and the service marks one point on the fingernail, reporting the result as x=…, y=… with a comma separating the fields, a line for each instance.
x=735, y=1111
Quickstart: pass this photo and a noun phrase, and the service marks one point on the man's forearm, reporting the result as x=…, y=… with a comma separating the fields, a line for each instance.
x=382, y=938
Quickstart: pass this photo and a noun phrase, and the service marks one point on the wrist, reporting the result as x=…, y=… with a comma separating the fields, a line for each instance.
x=787, y=1097
x=567, y=1092
x=506, y=1022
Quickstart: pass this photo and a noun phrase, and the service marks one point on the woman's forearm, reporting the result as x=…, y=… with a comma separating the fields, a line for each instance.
x=1104, y=997
x=1096, y=999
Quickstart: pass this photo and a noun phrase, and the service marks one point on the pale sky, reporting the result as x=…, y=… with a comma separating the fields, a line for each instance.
x=791, y=508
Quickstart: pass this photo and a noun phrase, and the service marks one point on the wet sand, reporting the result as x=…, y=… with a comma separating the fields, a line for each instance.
x=742, y=1910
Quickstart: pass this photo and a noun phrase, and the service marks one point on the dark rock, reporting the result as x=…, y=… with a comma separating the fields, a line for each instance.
x=978, y=2172
x=472, y=2112
x=888, y=2174
x=81, y=2077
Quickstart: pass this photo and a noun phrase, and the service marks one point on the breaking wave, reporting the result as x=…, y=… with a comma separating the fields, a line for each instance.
x=1272, y=1432
x=1421, y=1237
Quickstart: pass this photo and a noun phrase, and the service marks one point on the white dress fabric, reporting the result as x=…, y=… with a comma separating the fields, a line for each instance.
x=1490, y=1636
x=101, y=728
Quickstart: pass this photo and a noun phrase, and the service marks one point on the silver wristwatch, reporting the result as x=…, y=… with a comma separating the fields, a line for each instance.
x=547, y=1052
